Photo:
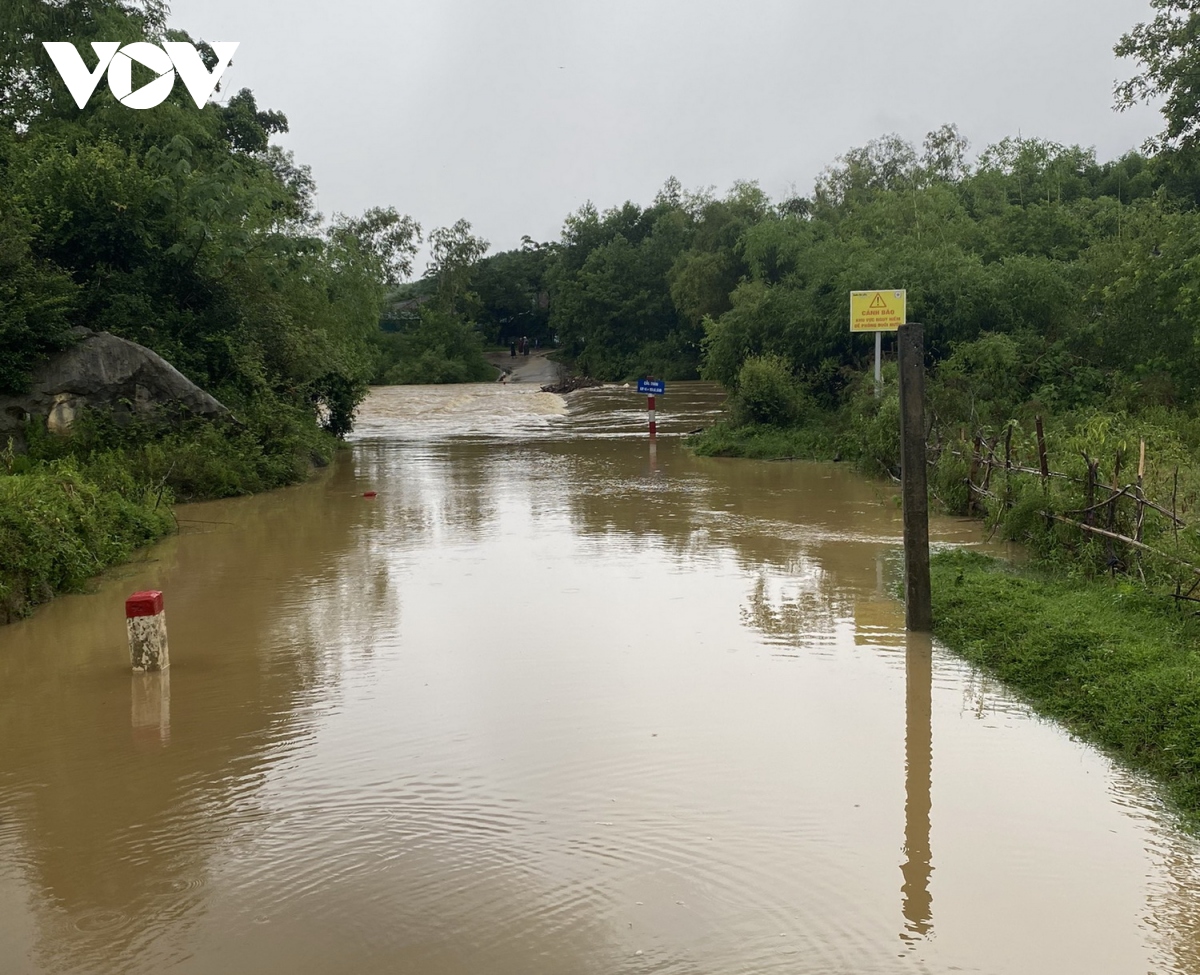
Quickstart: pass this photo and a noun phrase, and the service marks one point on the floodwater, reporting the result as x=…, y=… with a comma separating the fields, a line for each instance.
x=556, y=700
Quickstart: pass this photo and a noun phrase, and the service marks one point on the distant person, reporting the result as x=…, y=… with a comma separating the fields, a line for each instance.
x=512, y=348
x=525, y=344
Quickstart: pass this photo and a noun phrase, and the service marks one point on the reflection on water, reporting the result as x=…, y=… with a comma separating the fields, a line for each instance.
x=918, y=767
x=150, y=711
x=557, y=699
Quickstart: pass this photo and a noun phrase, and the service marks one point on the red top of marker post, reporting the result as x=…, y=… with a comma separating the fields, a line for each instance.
x=148, y=603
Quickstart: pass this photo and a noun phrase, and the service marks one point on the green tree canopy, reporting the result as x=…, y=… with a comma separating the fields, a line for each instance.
x=1167, y=51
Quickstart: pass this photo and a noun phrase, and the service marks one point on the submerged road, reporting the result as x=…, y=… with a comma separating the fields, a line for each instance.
x=535, y=368
x=555, y=700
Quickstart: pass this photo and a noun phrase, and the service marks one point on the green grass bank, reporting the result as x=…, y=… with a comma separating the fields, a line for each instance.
x=1118, y=665
x=59, y=527
x=73, y=506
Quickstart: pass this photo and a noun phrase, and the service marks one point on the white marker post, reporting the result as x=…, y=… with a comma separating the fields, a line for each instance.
x=147, y=626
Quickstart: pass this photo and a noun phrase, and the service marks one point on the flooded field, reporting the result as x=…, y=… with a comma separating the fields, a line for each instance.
x=556, y=700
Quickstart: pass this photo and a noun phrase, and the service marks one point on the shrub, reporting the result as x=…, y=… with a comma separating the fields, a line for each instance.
x=58, y=528
x=873, y=439
x=767, y=392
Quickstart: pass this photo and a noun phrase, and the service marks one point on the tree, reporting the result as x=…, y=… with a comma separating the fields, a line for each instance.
x=29, y=85
x=887, y=163
x=36, y=299
x=454, y=252
x=181, y=228
x=945, y=155
x=610, y=289
x=511, y=287
x=385, y=239
x=247, y=128
x=1167, y=50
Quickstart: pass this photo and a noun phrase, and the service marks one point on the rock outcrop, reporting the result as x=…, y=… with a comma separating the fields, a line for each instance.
x=103, y=372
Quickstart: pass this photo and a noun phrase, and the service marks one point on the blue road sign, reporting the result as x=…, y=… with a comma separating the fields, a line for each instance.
x=651, y=386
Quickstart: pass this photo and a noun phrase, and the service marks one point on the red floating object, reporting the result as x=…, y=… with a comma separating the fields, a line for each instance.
x=148, y=603
x=368, y=494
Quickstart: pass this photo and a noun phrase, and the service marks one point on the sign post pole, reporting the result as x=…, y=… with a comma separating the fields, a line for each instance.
x=651, y=387
x=878, y=372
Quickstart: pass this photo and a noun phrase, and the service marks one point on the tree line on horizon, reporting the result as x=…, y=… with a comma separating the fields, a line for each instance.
x=1076, y=274
x=190, y=232
x=1047, y=272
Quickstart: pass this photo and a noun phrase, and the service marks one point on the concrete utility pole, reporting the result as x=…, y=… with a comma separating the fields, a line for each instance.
x=918, y=611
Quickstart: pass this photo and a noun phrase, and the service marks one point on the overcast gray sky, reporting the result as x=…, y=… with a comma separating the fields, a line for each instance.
x=512, y=113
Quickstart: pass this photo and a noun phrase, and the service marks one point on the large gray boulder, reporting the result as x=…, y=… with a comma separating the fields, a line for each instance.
x=103, y=372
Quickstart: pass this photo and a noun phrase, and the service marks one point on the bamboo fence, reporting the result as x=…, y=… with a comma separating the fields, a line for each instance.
x=1113, y=509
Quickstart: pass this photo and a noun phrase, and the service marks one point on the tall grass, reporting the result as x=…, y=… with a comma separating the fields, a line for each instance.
x=58, y=528
x=75, y=505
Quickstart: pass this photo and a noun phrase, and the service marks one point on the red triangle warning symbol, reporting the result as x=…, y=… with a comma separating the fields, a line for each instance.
x=878, y=302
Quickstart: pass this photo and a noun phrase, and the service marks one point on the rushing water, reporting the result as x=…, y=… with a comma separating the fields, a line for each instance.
x=557, y=700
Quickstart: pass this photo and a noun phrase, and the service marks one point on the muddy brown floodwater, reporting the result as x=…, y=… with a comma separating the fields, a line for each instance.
x=554, y=701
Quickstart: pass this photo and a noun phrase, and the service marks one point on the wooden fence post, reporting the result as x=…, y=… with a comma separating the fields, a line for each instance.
x=1008, y=467
x=1174, y=513
x=1041, y=440
x=1140, y=508
x=1093, y=470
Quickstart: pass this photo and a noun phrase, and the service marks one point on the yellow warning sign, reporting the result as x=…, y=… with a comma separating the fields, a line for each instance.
x=877, y=311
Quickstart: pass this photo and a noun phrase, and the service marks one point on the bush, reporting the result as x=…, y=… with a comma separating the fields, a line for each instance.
x=762, y=442
x=873, y=439
x=441, y=348
x=74, y=505
x=58, y=528
x=767, y=392
x=270, y=444
x=948, y=483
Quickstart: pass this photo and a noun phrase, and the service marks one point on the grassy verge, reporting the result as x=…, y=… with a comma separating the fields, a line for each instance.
x=773, y=418
x=764, y=442
x=73, y=506
x=58, y=528
x=1116, y=665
